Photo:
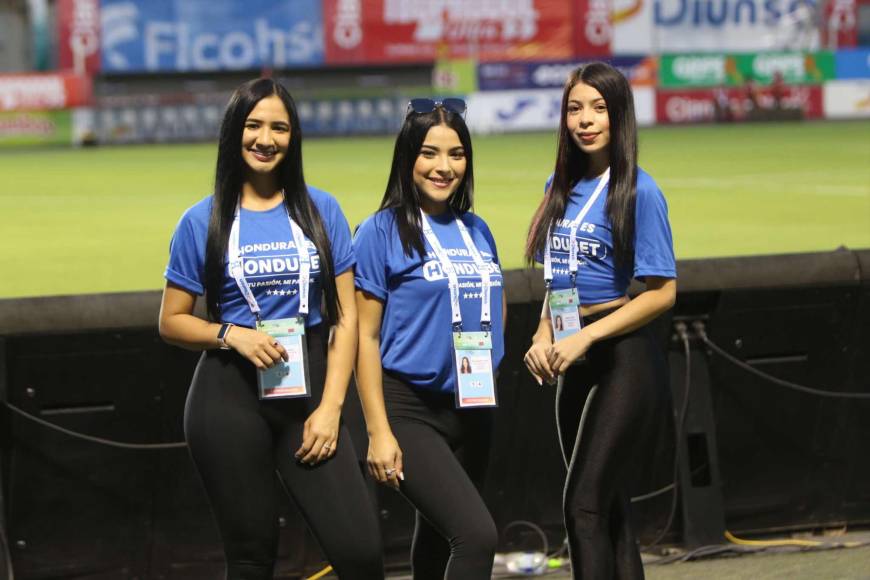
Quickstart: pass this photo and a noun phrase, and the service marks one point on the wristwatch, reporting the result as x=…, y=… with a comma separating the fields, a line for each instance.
x=222, y=335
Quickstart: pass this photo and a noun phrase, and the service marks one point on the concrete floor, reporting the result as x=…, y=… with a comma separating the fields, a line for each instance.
x=795, y=564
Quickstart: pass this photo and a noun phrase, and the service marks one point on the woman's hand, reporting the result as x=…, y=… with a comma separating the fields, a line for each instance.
x=536, y=360
x=385, y=459
x=258, y=347
x=320, y=434
x=563, y=353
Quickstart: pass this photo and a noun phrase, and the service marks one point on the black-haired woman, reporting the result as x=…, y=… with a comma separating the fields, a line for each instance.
x=602, y=222
x=429, y=293
x=268, y=390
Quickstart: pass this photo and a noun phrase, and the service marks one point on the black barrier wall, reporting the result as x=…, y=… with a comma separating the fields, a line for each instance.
x=755, y=455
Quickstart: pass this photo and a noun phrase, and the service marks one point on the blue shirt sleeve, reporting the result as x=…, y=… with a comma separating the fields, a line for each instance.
x=339, y=235
x=370, y=247
x=186, y=266
x=653, y=242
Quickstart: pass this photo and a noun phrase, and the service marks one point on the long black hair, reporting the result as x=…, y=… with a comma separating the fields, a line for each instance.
x=229, y=177
x=572, y=164
x=401, y=193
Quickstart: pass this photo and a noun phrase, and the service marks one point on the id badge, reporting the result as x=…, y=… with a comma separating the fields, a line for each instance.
x=285, y=378
x=475, y=385
x=564, y=313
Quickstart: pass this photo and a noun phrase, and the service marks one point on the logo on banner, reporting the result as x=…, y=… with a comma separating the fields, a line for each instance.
x=597, y=28
x=120, y=27
x=437, y=20
x=348, y=32
x=626, y=9
x=720, y=13
x=157, y=36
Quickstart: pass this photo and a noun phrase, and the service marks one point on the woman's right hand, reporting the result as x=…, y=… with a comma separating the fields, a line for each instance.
x=385, y=459
x=536, y=360
x=258, y=347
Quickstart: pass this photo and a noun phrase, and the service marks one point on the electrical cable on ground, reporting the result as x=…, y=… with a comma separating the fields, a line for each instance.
x=698, y=326
x=683, y=334
x=91, y=438
x=320, y=574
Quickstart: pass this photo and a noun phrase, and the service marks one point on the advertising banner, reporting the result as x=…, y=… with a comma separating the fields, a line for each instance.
x=407, y=31
x=35, y=128
x=201, y=35
x=43, y=91
x=853, y=64
x=593, y=30
x=737, y=104
x=840, y=24
x=710, y=70
x=644, y=105
x=78, y=35
x=535, y=110
x=512, y=111
x=656, y=26
x=500, y=76
x=847, y=99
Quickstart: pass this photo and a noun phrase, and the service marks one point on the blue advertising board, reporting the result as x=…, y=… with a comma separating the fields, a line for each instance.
x=513, y=75
x=852, y=64
x=144, y=36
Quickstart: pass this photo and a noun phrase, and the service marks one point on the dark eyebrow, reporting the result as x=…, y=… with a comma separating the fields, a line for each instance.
x=427, y=146
x=256, y=120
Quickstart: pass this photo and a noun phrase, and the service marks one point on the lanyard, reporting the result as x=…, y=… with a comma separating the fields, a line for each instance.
x=238, y=273
x=453, y=279
x=573, y=263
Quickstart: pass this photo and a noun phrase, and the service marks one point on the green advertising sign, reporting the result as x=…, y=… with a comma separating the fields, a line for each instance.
x=35, y=128
x=796, y=68
x=712, y=70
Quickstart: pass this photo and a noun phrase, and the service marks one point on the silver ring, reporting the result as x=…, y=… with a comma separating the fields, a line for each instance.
x=390, y=471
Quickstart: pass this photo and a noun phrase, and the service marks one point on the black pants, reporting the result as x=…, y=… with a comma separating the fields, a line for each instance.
x=444, y=451
x=631, y=398
x=238, y=442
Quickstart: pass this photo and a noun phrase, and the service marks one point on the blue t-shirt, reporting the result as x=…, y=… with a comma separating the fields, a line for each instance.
x=269, y=258
x=416, y=333
x=598, y=278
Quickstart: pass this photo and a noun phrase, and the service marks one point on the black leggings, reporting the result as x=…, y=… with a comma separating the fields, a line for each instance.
x=237, y=442
x=631, y=377
x=444, y=452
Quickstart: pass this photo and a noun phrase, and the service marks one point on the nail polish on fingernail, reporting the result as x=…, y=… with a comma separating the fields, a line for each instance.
x=402, y=475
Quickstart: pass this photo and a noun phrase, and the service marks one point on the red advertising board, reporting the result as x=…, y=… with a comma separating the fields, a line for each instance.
x=407, y=31
x=78, y=35
x=737, y=103
x=840, y=24
x=41, y=92
x=593, y=28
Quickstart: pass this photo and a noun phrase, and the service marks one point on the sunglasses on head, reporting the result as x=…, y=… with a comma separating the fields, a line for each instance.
x=423, y=106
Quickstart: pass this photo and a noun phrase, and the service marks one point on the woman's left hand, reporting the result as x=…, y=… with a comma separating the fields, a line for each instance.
x=564, y=352
x=320, y=435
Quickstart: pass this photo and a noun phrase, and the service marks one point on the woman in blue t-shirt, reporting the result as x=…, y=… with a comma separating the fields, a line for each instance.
x=602, y=222
x=240, y=247
x=423, y=247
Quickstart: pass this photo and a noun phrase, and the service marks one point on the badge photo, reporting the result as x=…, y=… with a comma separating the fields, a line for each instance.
x=475, y=383
x=285, y=379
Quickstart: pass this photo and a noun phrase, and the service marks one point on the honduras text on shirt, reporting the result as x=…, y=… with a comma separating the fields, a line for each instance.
x=416, y=334
x=599, y=278
x=269, y=257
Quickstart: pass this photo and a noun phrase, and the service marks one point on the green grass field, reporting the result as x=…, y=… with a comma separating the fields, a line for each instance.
x=99, y=220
